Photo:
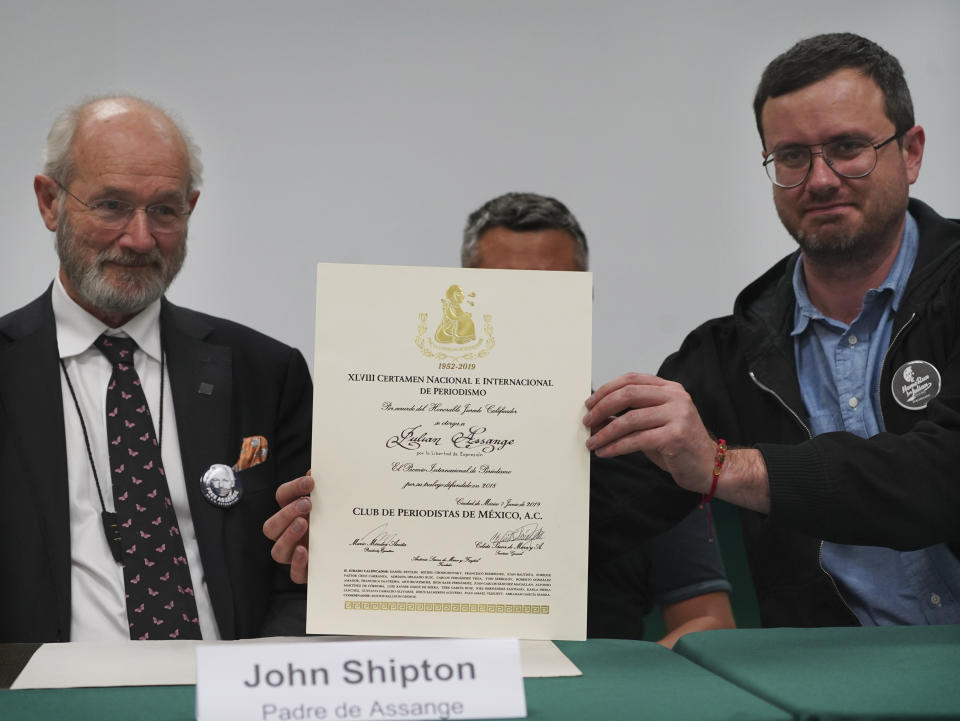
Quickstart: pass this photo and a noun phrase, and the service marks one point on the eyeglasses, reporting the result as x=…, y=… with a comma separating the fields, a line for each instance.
x=115, y=214
x=849, y=158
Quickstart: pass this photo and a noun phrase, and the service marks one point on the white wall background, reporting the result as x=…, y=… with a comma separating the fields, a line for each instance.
x=364, y=132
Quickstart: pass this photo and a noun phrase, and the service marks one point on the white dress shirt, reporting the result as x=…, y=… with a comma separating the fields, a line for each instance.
x=98, y=606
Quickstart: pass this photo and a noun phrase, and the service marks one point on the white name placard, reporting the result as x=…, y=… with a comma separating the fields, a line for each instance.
x=361, y=680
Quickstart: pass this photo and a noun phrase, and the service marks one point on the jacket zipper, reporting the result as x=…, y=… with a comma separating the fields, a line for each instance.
x=782, y=402
x=803, y=425
x=833, y=582
x=883, y=363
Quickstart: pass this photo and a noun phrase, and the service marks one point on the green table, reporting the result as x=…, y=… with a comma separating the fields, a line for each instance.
x=827, y=674
x=629, y=680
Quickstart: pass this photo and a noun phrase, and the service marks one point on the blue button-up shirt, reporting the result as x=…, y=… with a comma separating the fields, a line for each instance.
x=839, y=367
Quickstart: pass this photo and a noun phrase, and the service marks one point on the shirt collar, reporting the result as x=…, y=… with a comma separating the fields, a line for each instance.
x=903, y=265
x=895, y=282
x=77, y=329
x=804, y=310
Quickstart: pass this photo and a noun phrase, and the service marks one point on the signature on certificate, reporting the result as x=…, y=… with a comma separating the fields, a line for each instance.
x=379, y=540
x=514, y=542
x=445, y=560
x=526, y=532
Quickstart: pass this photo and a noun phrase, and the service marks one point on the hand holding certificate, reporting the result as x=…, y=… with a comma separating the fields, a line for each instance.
x=452, y=480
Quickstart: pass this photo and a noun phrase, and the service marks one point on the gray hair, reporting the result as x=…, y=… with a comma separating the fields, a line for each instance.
x=57, y=158
x=522, y=212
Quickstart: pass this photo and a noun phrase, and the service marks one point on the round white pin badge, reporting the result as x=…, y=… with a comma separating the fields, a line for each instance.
x=915, y=384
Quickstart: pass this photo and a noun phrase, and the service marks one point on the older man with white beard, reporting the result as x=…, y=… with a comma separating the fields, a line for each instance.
x=117, y=407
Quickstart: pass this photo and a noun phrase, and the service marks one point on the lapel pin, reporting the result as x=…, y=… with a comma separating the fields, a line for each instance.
x=915, y=384
x=221, y=486
x=221, y=483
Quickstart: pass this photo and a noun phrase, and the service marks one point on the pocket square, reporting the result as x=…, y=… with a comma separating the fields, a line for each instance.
x=253, y=451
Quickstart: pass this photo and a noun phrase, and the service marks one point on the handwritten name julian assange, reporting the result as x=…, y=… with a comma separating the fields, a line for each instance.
x=411, y=439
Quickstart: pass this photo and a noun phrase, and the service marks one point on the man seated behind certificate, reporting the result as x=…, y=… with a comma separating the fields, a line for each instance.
x=680, y=569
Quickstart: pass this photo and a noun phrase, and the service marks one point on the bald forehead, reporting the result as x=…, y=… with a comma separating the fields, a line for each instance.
x=126, y=136
x=130, y=116
x=111, y=108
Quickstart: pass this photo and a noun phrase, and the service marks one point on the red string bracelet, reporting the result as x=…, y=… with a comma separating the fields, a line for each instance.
x=707, y=497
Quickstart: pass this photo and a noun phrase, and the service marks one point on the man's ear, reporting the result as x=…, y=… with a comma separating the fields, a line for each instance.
x=913, y=141
x=48, y=200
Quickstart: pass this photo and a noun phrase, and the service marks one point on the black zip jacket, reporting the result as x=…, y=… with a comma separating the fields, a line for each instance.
x=899, y=489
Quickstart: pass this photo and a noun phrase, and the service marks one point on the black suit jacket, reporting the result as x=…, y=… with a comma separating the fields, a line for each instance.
x=259, y=387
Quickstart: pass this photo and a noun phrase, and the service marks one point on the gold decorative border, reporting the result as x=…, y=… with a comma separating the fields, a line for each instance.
x=524, y=608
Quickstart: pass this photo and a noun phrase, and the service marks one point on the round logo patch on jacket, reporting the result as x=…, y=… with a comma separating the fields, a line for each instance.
x=915, y=384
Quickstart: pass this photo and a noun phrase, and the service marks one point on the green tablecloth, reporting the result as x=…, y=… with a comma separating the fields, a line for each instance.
x=828, y=674
x=628, y=680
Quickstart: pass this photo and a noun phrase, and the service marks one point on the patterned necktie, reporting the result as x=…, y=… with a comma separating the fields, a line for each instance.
x=160, y=600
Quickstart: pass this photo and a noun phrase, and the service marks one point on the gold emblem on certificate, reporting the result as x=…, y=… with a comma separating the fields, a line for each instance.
x=455, y=336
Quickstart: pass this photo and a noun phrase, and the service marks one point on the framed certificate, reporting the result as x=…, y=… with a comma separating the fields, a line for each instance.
x=452, y=479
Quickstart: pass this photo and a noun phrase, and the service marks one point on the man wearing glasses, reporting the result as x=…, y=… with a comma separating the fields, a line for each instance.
x=125, y=511
x=836, y=381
